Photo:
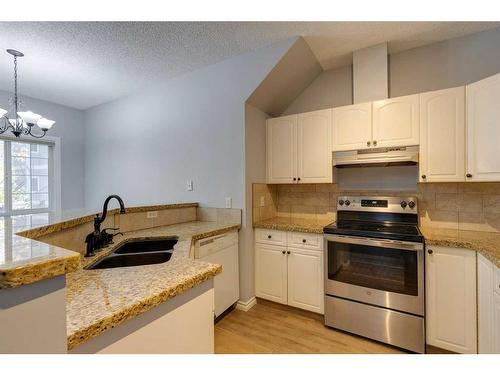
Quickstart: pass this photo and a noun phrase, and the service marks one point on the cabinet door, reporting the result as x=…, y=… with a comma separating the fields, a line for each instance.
x=395, y=122
x=451, y=299
x=485, y=305
x=483, y=129
x=305, y=279
x=496, y=323
x=281, y=149
x=271, y=273
x=442, y=136
x=352, y=127
x=314, y=149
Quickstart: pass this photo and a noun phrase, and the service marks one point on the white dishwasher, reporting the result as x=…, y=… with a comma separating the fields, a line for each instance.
x=223, y=250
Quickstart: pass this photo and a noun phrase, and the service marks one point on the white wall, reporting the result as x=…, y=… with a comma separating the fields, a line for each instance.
x=145, y=147
x=70, y=128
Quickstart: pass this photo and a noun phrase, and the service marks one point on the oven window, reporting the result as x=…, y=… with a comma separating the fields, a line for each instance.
x=391, y=270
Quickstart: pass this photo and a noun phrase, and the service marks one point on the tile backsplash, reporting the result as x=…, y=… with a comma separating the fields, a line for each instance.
x=464, y=206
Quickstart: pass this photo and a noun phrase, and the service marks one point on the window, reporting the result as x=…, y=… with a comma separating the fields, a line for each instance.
x=26, y=178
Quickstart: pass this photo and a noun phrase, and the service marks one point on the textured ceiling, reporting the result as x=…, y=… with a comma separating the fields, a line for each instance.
x=83, y=64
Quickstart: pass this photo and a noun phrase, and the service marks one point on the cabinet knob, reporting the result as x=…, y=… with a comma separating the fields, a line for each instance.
x=269, y=236
x=430, y=251
x=374, y=143
x=294, y=179
x=424, y=177
x=368, y=143
x=288, y=252
x=283, y=251
x=468, y=175
x=298, y=178
x=304, y=240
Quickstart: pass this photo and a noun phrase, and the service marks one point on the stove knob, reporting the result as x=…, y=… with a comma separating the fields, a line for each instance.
x=347, y=202
x=411, y=204
x=403, y=204
x=341, y=202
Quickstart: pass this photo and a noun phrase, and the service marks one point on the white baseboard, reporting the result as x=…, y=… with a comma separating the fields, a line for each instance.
x=246, y=305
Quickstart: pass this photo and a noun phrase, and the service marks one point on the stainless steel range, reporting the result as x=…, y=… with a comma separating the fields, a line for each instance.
x=374, y=271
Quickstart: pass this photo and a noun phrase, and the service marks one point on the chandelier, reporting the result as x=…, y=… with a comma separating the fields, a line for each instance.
x=23, y=122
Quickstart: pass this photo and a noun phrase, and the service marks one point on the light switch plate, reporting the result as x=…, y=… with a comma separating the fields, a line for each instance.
x=262, y=201
x=190, y=185
x=229, y=202
x=152, y=214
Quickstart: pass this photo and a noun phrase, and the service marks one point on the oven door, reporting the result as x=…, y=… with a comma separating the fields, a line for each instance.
x=380, y=272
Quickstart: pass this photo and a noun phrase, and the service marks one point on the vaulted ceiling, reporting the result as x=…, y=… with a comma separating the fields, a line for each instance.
x=83, y=64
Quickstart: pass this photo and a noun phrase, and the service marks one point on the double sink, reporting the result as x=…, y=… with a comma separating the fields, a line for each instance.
x=138, y=253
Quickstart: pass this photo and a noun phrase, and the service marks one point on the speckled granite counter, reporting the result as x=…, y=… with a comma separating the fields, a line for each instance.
x=293, y=224
x=486, y=243
x=24, y=261
x=76, y=218
x=98, y=300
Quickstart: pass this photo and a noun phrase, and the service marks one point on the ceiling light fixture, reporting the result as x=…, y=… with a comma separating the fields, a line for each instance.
x=23, y=122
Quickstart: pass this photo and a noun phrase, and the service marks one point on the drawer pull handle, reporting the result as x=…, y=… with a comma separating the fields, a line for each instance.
x=269, y=236
x=303, y=240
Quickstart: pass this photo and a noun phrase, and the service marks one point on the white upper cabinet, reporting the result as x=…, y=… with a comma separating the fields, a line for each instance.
x=281, y=149
x=451, y=314
x=442, y=136
x=352, y=127
x=483, y=130
x=395, y=122
x=299, y=148
x=314, y=149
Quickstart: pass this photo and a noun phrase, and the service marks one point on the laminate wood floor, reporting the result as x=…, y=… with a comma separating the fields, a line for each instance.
x=273, y=328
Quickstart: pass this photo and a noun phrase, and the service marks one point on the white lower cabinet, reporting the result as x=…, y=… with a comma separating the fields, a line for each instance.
x=291, y=275
x=451, y=313
x=488, y=276
x=271, y=272
x=305, y=279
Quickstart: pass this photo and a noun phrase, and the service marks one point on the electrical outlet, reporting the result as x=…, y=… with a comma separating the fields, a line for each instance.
x=190, y=185
x=262, y=201
x=229, y=202
x=152, y=214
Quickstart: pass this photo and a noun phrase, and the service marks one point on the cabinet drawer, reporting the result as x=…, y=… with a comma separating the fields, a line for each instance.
x=496, y=280
x=271, y=237
x=305, y=240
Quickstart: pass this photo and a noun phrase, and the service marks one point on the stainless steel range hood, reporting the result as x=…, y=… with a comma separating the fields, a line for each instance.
x=377, y=157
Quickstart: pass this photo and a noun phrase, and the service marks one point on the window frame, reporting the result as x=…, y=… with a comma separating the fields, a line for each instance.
x=54, y=175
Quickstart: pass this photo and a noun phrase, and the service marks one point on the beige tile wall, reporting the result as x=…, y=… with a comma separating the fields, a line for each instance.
x=464, y=206
x=269, y=193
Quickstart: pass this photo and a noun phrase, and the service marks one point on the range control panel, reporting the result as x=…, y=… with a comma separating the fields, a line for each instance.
x=377, y=204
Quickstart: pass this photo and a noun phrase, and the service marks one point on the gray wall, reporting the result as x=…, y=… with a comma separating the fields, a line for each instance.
x=451, y=63
x=255, y=172
x=332, y=88
x=70, y=128
x=145, y=147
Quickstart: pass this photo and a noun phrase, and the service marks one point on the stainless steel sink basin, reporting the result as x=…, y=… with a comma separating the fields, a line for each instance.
x=138, y=253
x=142, y=246
x=131, y=260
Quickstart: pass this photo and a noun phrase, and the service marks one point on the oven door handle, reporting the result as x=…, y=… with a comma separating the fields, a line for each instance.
x=392, y=244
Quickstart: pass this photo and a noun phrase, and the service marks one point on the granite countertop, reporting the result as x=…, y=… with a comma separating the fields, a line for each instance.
x=485, y=243
x=24, y=261
x=293, y=224
x=98, y=300
x=71, y=219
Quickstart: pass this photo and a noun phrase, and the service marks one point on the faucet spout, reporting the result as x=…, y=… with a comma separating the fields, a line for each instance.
x=98, y=239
